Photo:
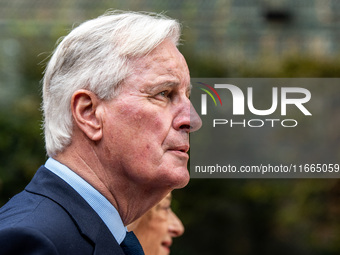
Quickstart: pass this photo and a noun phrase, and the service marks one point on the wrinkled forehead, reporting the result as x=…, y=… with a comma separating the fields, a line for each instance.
x=164, y=55
x=164, y=65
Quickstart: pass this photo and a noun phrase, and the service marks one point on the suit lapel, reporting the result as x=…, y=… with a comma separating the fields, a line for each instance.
x=47, y=184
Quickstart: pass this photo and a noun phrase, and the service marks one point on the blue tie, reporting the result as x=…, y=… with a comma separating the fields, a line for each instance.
x=131, y=245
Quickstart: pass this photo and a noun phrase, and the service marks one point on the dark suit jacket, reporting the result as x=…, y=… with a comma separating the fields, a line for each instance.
x=50, y=217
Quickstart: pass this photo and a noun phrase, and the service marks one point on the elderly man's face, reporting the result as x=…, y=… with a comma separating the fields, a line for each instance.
x=146, y=127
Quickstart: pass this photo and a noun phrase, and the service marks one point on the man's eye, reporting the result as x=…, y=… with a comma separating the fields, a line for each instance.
x=164, y=93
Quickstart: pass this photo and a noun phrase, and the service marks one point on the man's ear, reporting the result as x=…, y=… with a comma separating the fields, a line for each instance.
x=86, y=113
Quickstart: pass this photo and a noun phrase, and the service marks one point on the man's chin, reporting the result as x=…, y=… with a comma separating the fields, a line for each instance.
x=181, y=179
x=172, y=176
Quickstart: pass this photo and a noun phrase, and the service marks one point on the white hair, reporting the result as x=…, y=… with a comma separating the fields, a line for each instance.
x=96, y=56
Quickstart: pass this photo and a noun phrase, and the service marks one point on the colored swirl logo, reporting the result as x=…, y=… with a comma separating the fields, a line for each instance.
x=204, y=97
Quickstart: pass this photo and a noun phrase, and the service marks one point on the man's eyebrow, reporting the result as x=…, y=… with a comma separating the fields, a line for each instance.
x=155, y=87
x=170, y=85
x=166, y=84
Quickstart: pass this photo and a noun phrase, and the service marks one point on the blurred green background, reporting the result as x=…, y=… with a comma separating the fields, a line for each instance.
x=221, y=38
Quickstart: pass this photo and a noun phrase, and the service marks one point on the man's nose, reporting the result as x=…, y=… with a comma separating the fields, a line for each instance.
x=187, y=118
x=195, y=120
x=176, y=227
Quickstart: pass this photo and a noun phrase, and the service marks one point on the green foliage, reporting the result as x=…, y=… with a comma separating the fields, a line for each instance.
x=294, y=66
x=21, y=144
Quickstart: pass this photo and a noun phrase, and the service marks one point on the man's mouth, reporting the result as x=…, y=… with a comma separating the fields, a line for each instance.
x=166, y=245
x=180, y=151
x=182, y=148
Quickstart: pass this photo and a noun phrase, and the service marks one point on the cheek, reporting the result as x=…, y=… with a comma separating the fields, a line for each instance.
x=159, y=223
x=146, y=124
x=150, y=121
x=151, y=233
x=135, y=134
